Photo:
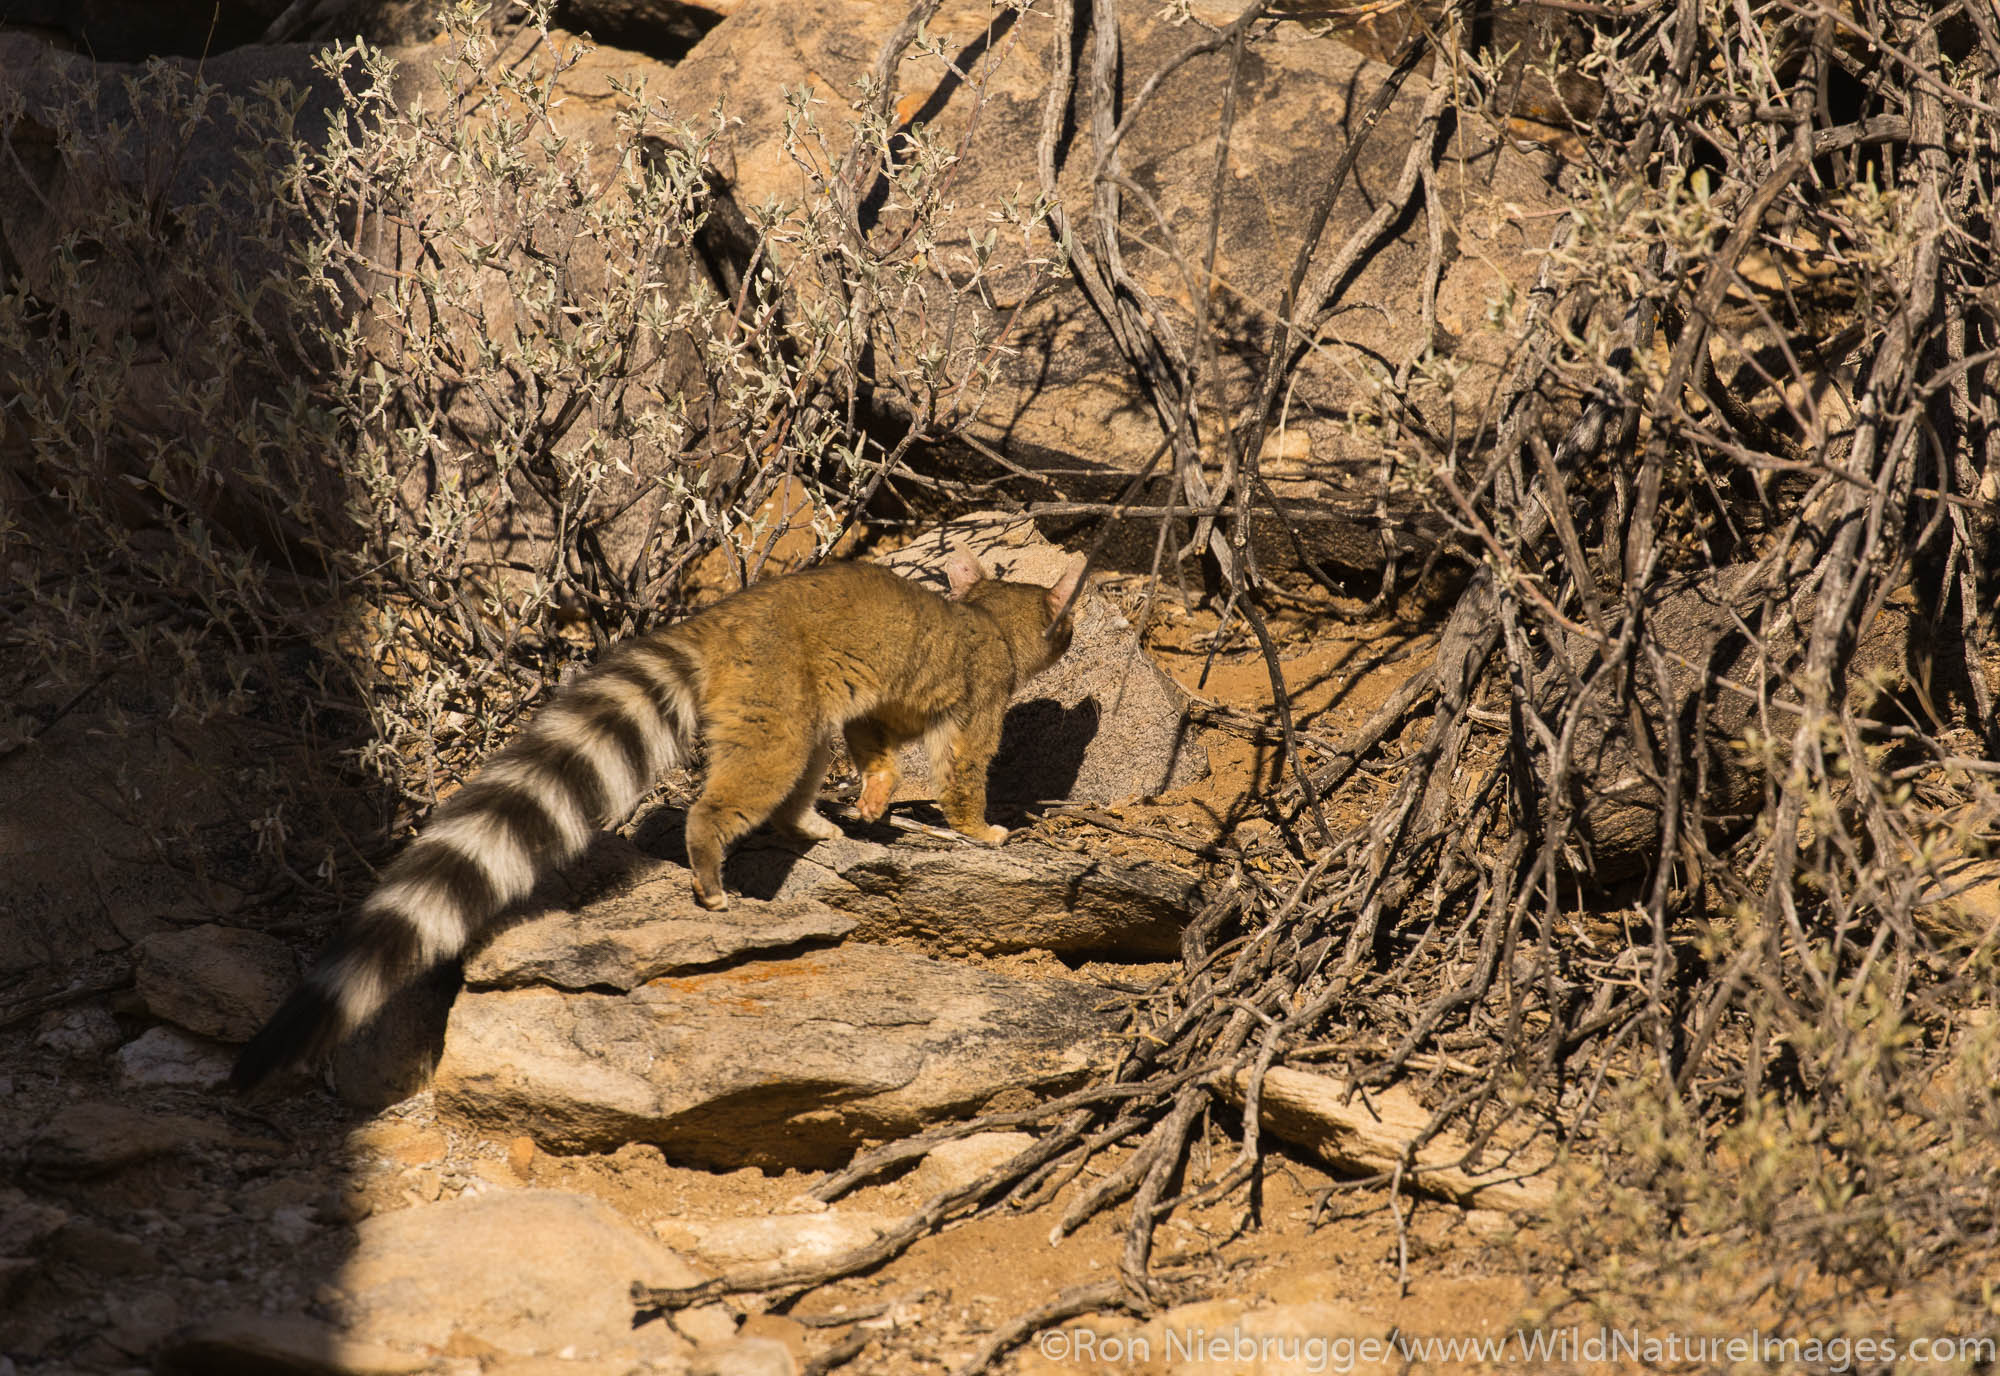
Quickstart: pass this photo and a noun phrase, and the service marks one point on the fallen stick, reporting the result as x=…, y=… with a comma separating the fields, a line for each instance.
x=1369, y=1134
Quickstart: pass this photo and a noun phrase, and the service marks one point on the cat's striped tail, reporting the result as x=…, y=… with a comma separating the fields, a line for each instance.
x=583, y=762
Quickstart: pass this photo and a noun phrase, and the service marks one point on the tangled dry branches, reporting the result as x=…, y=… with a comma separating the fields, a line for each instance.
x=1713, y=709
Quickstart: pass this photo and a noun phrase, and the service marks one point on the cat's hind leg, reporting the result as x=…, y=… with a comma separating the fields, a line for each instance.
x=796, y=813
x=743, y=789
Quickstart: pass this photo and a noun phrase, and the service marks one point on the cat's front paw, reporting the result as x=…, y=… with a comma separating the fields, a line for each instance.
x=876, y=790
x=986, y=835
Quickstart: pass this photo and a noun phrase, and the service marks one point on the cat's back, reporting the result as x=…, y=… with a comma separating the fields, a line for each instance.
x=839, y=631
x=833, y=607
x=828, y=643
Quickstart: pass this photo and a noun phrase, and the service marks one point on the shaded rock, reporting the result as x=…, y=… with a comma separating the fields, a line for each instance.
x=798, y=1238
x=80, y=1033
x=101, y=1250
x=390, y=1058
x=140, y=1321
x=91, y=1138
x=44, y=75
x=773, y=1063
x=133, y=30
x=663, y=29
x=956, y=897
x=220, y=982
x=655, y=928
x=293, y=1224
x=281, y=1192
x=954, y=1165
x=1102, y=724
x=164, y=1056
x=25, y=1223
x=1065, y=404
x=258, y=1344
x=14, y=1272
x=1724, y=646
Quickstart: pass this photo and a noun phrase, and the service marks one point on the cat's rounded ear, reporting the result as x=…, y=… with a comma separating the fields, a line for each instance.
x=1065, y=587
x=962, y=570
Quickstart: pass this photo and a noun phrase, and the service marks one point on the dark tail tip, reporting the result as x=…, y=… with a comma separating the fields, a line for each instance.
x=297, y=1031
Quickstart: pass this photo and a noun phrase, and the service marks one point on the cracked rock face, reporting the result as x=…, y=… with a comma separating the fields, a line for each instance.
x=771, y=1063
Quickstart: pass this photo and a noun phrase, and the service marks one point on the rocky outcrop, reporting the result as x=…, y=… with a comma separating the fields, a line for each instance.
x=537, y=1033
x=553, y=1054
x=1065, y=403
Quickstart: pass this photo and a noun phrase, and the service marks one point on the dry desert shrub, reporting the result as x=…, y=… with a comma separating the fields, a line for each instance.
x=365, y=406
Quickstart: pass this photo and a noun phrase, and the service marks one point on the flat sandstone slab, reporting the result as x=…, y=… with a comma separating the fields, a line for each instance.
x=653, y=929
x=954, y=897
x=772, y=1063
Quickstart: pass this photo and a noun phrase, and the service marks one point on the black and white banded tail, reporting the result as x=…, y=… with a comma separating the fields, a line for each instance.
x=583, y=762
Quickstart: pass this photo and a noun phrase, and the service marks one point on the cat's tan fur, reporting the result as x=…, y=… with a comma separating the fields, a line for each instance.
x=766, y=679
x=784, y=666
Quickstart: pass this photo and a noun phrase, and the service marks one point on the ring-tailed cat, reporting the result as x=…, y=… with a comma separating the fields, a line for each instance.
x=763, y=678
